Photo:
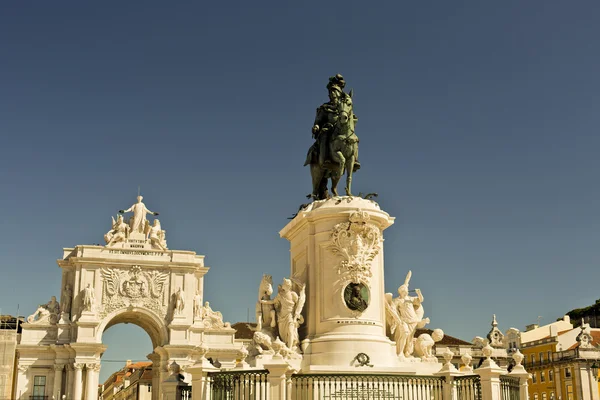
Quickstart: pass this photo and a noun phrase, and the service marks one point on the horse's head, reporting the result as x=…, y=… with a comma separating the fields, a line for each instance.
x=344, y=107
x=266, y=286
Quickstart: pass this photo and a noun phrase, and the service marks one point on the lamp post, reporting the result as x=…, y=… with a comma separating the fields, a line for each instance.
x=594, y=368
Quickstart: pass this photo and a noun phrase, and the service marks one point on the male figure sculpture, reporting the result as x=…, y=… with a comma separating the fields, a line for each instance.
x=139, y=210
x=88, y=298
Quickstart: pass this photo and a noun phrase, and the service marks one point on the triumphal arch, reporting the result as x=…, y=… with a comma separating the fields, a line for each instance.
x=134, y=278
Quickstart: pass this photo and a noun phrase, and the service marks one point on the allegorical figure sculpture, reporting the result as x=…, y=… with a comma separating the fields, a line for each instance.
x=138, y=222
x=212, y=319
x=156, y=235
x=288, y=307
x=118, y=232
x=405, y=315
x=335, y=149
x=46, y=312
x=88, y=298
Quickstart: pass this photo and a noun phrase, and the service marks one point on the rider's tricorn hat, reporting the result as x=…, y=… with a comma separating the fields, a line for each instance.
x=336, y=83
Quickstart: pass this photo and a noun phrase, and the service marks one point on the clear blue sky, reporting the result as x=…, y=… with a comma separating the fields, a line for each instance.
x=478, y=125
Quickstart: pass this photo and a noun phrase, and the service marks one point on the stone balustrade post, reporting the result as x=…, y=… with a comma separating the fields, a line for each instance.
x=277, y=379
x=172, y=383
x=449, y=372
x=200, y=379
x=518, y=371
x=489, y=373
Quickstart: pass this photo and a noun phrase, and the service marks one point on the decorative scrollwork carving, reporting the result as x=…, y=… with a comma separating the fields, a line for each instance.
x=357, y=242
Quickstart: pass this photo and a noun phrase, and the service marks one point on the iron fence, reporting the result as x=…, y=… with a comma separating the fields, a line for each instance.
x=468, y=387
x=238, y=385
x=184, y=393
x=363, y=386
x=509, y=386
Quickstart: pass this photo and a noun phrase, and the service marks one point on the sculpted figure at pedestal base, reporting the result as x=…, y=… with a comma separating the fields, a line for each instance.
x=48, y=312
x=425, y=342
x=288, y=307
x=138, y=221
x=405, y=315
x=118, y=233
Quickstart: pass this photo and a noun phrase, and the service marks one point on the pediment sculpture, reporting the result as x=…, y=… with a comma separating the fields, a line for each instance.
x=404, y=315
x=279, y=318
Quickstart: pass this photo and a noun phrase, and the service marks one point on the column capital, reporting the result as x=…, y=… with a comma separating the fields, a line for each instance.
x=59, y=367
x=78, y=366
x=93, y=366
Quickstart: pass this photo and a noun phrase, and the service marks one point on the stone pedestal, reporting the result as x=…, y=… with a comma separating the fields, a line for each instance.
x=337, y=251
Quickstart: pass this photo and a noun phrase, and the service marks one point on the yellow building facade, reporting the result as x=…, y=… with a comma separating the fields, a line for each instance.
x=559, y=358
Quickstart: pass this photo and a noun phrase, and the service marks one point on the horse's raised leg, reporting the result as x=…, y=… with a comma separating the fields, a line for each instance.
x=339, y=159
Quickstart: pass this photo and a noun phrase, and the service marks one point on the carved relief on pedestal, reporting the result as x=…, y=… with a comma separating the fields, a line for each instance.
x=356, y=242
x=134, y=287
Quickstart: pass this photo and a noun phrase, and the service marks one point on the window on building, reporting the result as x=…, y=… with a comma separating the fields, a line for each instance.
x=541, y=357
x=549, y=356
x=542, y=378
x=552, y=397
x=544, y=396
x=567, y=372
x=534, y=377
x=39, y=387
x=535, y=396
x=569, y=392
x=551, y=376
x=533, y=358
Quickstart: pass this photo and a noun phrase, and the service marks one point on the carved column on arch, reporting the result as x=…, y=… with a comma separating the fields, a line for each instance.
x=70, y=376
x=57, y=387
x=77, y=381
x=22, y=381
x=93, y=371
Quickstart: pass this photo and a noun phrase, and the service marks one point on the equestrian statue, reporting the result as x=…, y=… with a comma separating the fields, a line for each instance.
x=335, y=149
